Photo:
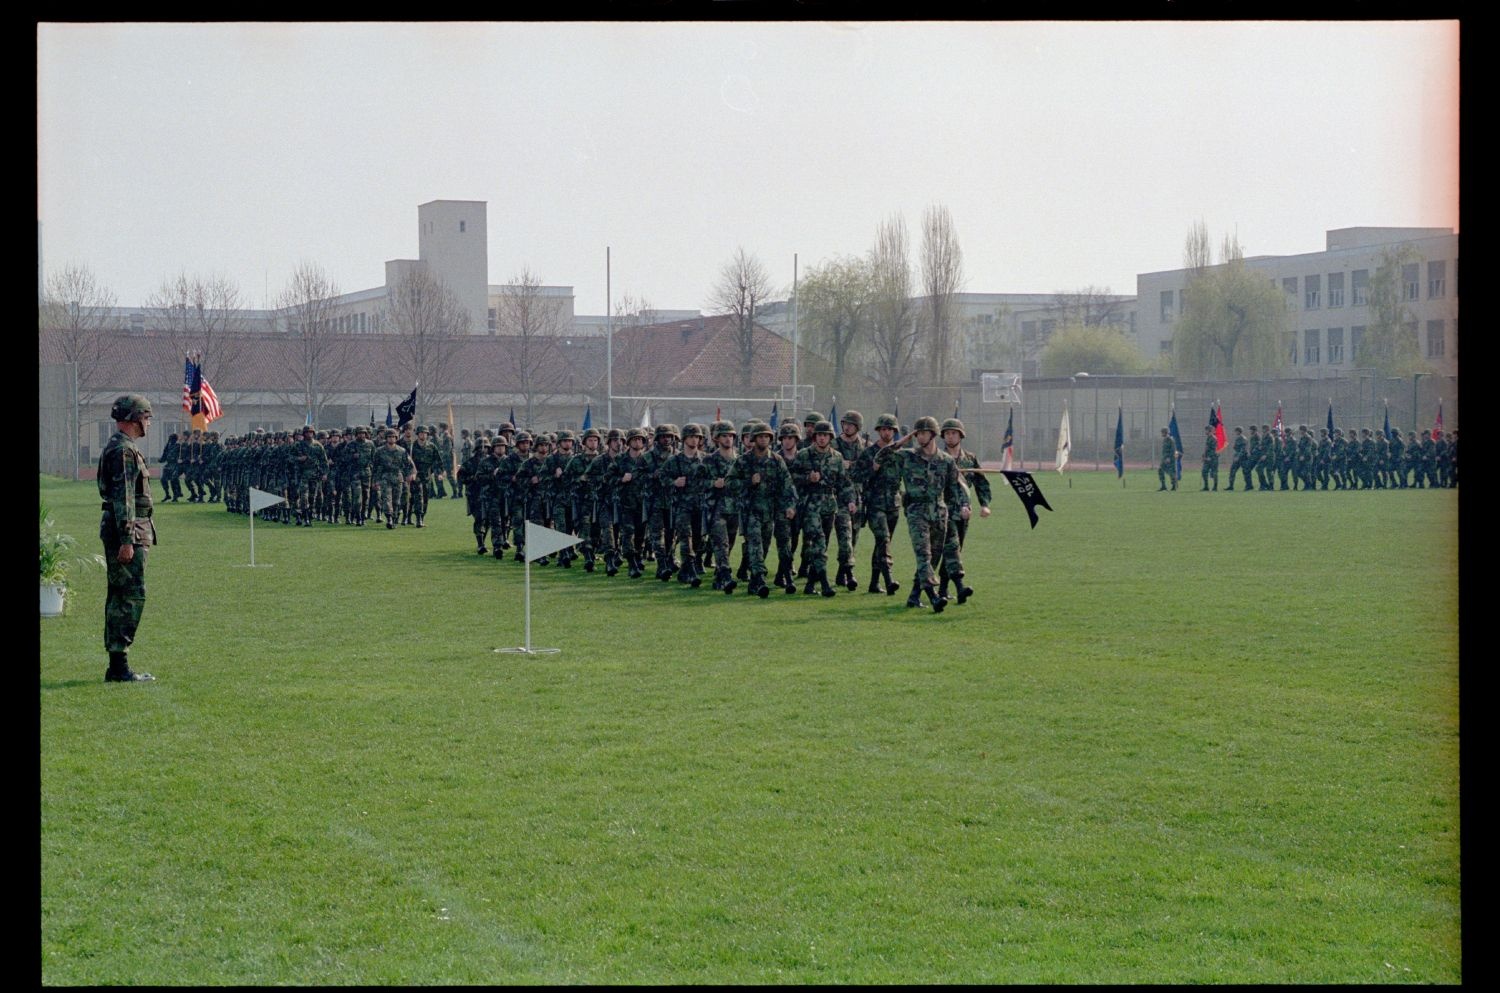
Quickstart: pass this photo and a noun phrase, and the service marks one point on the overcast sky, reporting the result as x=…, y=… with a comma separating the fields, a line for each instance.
x=1069, y=154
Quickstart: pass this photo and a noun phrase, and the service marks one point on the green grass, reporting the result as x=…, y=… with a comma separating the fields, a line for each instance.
x=1176, y=738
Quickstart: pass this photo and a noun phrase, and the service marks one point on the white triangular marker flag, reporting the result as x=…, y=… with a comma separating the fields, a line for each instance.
x=544, y=541
x=260, y=499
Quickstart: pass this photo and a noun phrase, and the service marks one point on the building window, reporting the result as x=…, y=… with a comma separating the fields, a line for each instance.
x=1182, y=301
x=1335, y=346
x=1356, y=335
x=1410, y=281
x=1312, y=346
x=1289, y=346
x=1166, y=346
x=1360, y=282
x=1434, y=339
x=491, y=321
x=1289, y=287
x=1166, y=306
x=1335, y=293
x=1313, y=287
x=1436, y=279
x=1047, y=327
x=460, y=227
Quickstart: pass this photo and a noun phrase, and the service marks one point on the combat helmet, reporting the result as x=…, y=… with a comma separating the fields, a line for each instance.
x=954, y=424
x=691, y=430
x=592, y=433
x=812, y=417
x=615, y=434
x=887, y=421
x=789, y=430
x=823, y=427
x=523, y=437
x=722, y=427
x=565, y=435
x=130, y=407
x=757, y=428
x=666, y=431
x=926, y=424
x=853, y=417
x=635, y=433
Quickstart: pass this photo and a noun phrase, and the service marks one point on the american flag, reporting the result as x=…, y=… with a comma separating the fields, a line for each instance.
x=187, y=384
x=1276, y=425
x=199, y=398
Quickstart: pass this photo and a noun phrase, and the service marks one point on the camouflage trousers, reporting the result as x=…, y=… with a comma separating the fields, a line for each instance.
x=421, y=490
x=687, y=529
x=659, y=530
x=817, y=524
x=786, y=532
x=390, y=497
x=171, y=484
x=306, y=493
x=1210, y=470
x=357, y=496
x=758, y=532
x=846, y=530
x=124, y=598
x=928, y=526
x=633, y=540
x=883, y=522
x=722, y=531
x=952, y=551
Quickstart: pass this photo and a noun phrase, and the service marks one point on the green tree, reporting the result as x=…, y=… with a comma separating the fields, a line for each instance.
x=835, y=300
x=1096, y=350
x=1232, y=317
x=1390, y=341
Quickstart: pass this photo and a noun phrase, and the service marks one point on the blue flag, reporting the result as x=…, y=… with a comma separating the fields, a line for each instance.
x=1388, y=422
x=390, y=419
x=833, y=412
x=1330, y=418
x=775, y=417
x=588, y=417
x=1176, y=440
x=1120, y=445
x=307, y=423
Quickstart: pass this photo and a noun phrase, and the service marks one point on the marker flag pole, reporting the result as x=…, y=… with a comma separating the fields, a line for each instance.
x=540, y=542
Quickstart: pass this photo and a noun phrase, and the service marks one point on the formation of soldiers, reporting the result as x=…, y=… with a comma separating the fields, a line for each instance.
x=193, y=459
x=1348, y=460
x=333, y=476
x=683, y=499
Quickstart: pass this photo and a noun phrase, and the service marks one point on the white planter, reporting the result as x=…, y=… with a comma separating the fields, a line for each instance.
x=52, y=599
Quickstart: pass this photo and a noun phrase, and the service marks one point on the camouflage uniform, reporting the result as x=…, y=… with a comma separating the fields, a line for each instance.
x=1240, y=460
x=762, y=490
x=1210, y=458
x=819, y=501
x=629, y=500
x=976, y=486
x=846, y=523
x=787, y=531
x=720, y=509
x=391, y=467
x=125, y=493
x=882, y=497
x=930, y=484
x=170, y=472
x=686, y=505
x=1166, y=470
x=657, y=502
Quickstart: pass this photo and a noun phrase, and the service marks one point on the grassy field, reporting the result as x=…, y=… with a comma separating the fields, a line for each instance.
x=1176, y=737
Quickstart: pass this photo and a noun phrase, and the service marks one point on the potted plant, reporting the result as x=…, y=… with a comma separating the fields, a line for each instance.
x=57, y=559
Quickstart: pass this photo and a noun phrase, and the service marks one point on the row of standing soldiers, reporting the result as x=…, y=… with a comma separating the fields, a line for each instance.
x=193, y=459
x=1354, y=460
x=340, y=475
x=683, y=501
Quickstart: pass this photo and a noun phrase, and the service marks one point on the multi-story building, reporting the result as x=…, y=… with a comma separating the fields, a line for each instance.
x=1326, y=297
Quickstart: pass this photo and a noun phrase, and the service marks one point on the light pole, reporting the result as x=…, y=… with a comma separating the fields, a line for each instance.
x=1414, y=377
x=1095, y=442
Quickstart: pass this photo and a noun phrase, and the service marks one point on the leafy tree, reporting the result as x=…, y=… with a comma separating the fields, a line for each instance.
x=836, y=300
x=1232, y=317
x=1390, y=341
x=1096, y=350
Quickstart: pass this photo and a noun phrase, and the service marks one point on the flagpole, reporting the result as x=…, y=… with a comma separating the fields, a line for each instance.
x=794, y=334
x=609, y=343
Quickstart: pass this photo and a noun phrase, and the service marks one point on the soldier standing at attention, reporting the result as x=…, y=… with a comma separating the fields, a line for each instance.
x=1167, y=468
x=1210, y=458
x=127, y=531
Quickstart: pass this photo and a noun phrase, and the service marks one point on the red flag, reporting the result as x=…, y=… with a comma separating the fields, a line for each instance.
x=1437, y=431
x=1276, y=424
x=1216, y=421
x=718, y=413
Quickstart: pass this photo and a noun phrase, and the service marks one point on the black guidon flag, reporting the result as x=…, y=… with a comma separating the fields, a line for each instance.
x=406, y=409
x=1026, y=489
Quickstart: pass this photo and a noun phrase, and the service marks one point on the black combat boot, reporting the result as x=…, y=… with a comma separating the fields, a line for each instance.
x=119, y=671
x=635, y=565
x=759, y=588
x=812, y=582
x=851, y=582
x=611, y=564
x=826, y=590
x=743, y=572
x=964, y=592
x=482, y=549
x=915, y=600
x=891, y=586
x=938, y=602
x=802, y=569
x=728, y=583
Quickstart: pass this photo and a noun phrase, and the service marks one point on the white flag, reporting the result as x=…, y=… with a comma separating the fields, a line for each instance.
x=260, y=499
x=1064, y=441
x=646, y=417
x=542, y=541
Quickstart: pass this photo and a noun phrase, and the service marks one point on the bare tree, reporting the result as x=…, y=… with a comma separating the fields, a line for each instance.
x=319, y=356
x=836, y=302
x=75, y=312
x=204, y=315
x=1088, y=307
x=635, y=371
x=534, y=355
x=894, y=331
x=942, y=275
x=427, y=321
x=743, y=285
x=1231, y=317
x=1197, y=253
